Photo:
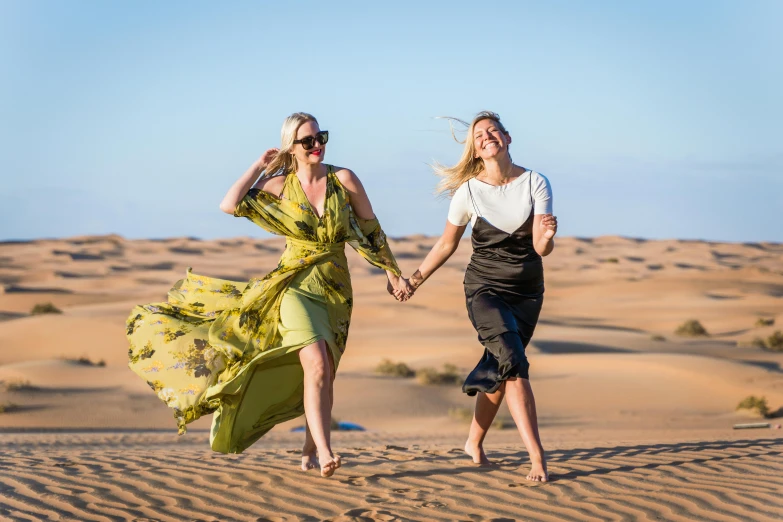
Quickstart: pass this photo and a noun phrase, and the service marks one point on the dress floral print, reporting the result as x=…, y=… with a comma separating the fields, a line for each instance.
x=214, y=345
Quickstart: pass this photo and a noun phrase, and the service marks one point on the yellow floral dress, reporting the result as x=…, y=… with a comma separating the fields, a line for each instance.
x=224, y=347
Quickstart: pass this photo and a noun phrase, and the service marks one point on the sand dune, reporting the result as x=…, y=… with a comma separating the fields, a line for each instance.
x=638, y=420
x=106, y=477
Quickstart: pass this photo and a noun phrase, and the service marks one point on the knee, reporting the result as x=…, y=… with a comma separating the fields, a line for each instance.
x=316, y=366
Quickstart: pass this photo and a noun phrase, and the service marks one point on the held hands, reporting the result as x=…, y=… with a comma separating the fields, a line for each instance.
x=548, y=226
x=399, y=288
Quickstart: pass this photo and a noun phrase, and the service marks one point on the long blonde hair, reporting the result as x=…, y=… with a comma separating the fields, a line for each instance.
x=468, y=166
x=285, y=162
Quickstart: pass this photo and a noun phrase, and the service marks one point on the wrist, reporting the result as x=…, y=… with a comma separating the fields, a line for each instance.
x=416, y=279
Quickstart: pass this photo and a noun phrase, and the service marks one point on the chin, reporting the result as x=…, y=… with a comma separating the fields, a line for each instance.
x=315, y=160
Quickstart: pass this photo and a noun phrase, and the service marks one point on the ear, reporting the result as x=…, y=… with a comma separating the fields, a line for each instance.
x=508, y=137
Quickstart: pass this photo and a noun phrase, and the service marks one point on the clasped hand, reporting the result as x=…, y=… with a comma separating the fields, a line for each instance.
x=399, y=287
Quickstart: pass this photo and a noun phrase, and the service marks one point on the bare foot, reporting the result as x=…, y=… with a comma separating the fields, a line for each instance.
x=309, y=461
x=538, y=472
x=330, y=466
x=476, y=452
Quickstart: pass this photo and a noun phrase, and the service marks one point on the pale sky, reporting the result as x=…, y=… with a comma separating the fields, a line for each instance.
x=654, y=119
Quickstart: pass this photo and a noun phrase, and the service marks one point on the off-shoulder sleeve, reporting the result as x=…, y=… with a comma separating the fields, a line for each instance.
x=265, y=210
x=370, y=241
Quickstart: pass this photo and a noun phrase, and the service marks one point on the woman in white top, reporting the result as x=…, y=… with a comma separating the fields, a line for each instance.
x=510, y=209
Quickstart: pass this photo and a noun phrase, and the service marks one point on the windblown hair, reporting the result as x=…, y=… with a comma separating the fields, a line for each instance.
x=285, y=162
x=468, y=165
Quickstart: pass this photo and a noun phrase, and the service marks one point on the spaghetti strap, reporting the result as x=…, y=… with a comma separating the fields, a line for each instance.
x=473, y=200
x=532, y=203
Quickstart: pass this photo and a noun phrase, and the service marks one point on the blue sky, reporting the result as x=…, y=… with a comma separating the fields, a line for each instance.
x=651, y=119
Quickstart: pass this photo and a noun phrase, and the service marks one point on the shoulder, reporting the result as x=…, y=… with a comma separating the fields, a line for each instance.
x=348, y=178
x=538, y=178
x=461, y=192
x=273, y=184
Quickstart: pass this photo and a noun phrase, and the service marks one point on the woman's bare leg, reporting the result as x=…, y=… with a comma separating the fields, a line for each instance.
x=309, y=450
x=522, y=406
x=487, y=405
x=317, y=367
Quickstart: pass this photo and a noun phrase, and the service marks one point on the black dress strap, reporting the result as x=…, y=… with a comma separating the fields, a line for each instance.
x=475, y=207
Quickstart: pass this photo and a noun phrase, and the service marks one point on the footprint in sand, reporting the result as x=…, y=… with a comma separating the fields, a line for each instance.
x=366, y=515
x=355, y=481
x=398, y=448
x=377, y=499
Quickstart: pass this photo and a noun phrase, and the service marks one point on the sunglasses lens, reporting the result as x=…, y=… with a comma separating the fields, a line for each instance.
x=308, y=143
x=322, y=137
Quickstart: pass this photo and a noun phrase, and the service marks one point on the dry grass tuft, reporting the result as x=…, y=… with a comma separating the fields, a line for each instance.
x=45, y=308
x=430, y=376
x=8, y=407
x=756, y=404
x=392, y=369
x=691, y=328
x=763, y=321
x=18, y=385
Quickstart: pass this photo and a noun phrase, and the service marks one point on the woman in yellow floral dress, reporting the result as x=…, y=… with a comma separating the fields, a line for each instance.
x=259, y=353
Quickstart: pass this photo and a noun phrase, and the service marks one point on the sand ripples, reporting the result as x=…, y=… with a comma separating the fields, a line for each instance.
x=721, y=480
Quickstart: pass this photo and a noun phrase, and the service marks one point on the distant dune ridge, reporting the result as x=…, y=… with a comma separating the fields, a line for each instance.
x=637, y=419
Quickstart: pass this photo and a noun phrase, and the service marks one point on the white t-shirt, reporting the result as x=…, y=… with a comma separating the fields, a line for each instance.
x=506, y=207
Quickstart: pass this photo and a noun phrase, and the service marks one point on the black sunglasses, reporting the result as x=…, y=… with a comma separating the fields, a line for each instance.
x=308, y=142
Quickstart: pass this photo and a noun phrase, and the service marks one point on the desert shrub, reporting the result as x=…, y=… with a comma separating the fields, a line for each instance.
x=610, y=260
x=8, y=407
x=400, y=369
x=691, y=328
x=657, y=338
x=753, y=403
x=45, y=308
x=503, y=423
x=461, y=414
x=757, y=342
x=774, y=342
x=762, y=321
x=449, y=375
x=86, y=361
x=18, y=385
x=466, y=415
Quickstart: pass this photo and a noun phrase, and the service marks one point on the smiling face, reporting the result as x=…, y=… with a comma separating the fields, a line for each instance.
x=314, y=155
x=489, y=139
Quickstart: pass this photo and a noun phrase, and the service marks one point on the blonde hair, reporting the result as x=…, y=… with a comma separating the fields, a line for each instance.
x=468, y=166
x=284, y=162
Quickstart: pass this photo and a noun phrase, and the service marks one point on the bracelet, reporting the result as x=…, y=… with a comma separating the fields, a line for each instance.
x=416, y=279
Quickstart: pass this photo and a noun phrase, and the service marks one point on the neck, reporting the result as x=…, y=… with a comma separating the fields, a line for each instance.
x=499, y=169
x=311, y=172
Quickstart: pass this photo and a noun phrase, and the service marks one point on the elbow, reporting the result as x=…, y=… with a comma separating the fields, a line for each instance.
x=447, y=248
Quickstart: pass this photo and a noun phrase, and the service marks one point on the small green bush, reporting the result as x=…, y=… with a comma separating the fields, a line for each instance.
x=461, y=414
x=18, y=385
x=466, y=415
x=761, y=322
x=753, y=403
x=657, y=338
x=8, y=407
x=45, y=308
x=386, y=367
x=86, y=361
x=691, y=328
x=449, y=375
x=610, y=260
x=775, y=342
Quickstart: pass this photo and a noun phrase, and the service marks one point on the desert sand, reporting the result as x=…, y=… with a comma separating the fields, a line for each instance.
x=637, y=420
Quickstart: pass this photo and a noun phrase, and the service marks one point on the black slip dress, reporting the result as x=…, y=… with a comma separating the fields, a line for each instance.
x=504, y=291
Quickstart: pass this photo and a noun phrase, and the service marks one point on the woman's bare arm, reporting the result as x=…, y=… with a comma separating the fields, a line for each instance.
x=544, y=230
x=245, y=182
x=442, y=250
